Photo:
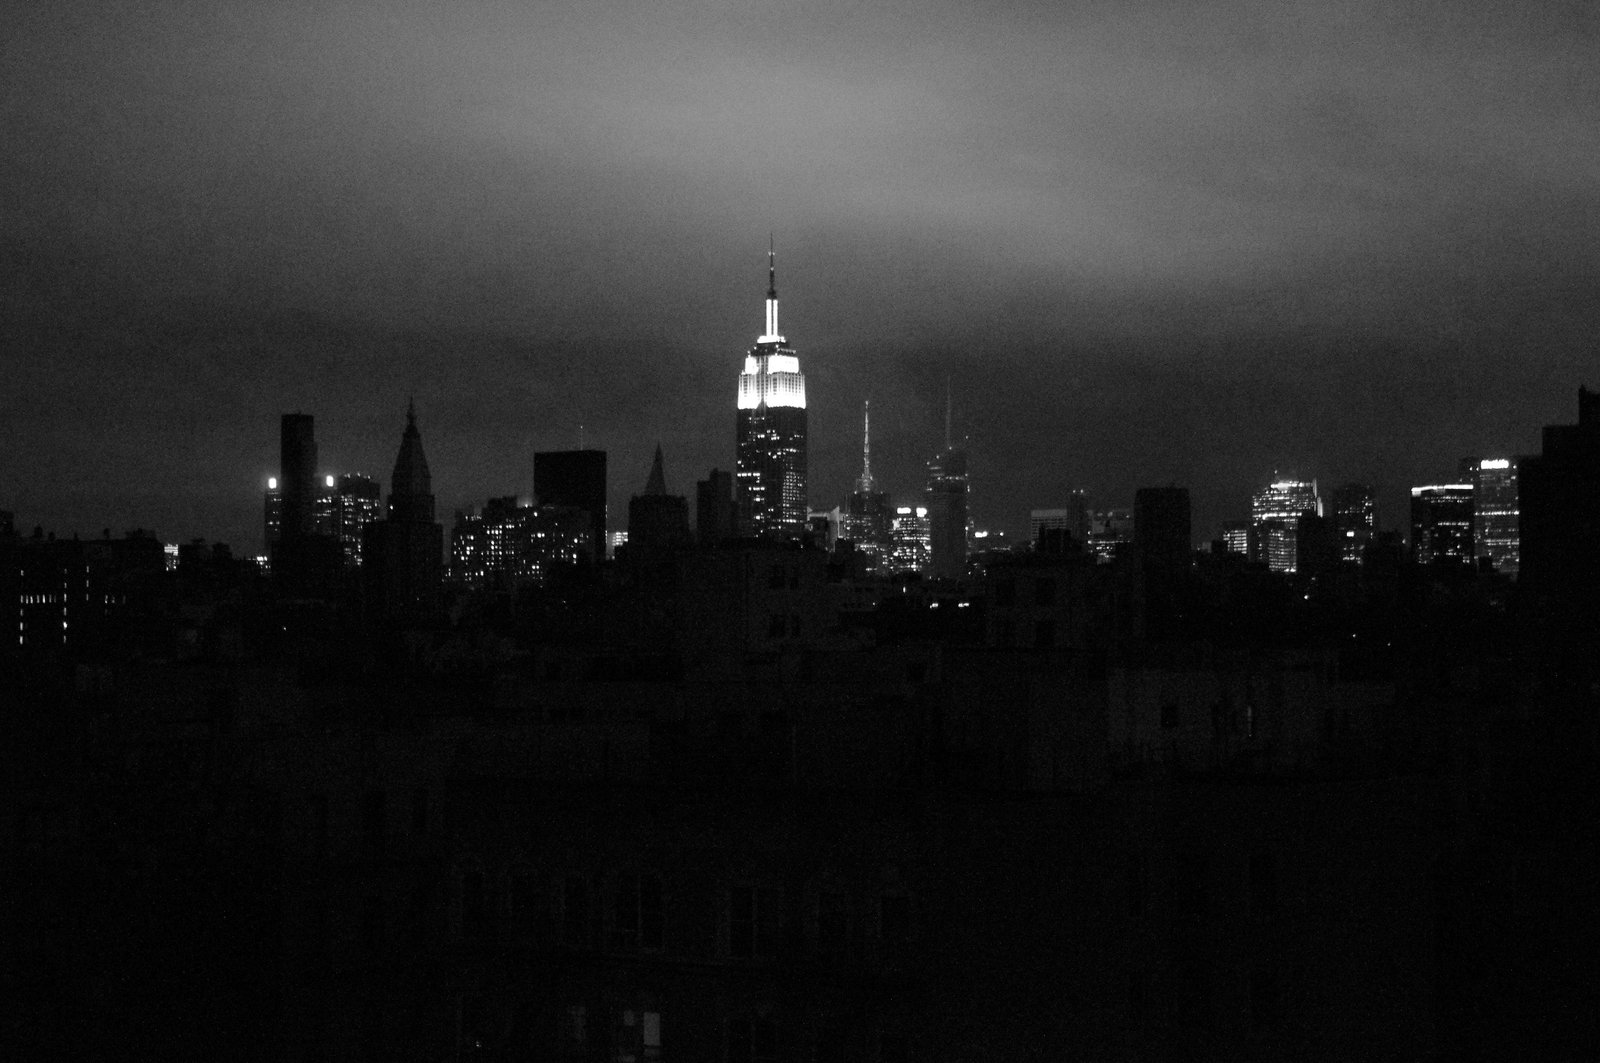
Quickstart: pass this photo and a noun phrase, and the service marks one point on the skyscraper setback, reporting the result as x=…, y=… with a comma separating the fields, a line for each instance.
x=770, y=432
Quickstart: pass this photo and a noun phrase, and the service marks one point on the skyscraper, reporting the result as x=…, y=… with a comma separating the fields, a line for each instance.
x=770, y=432
x=716, y=516
x=575, y=478
x=909, y=547
x=297, y=476
x=346, y=505
x=947, y=507
x=271, y=513
x=867, y=515
x=1354, y=519
x=1495, y=511
x=1275, y=510
x=404, y=554
x=1161, y=527
x=1441, y=523
x=1559, y=499
x=658, y=522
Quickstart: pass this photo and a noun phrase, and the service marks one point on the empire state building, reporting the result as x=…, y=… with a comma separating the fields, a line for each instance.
x=770, y=464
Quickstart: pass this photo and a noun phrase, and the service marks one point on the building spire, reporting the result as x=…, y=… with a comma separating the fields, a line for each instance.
x=865, y=484
x=657, y=482
x=772, y=335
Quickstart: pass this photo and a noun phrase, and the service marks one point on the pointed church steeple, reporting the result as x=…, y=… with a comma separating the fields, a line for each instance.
x=657, y=483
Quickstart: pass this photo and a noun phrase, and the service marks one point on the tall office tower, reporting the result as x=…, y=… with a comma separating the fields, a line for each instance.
x=1495, y=511
x=575, y=478
x=504, y=545
x=1110, y=532
x=947, y=507
x=1161, y=529
x=770, y=433
x=909, y=546
x=867, y=516
x=1559, y=489
x=658, y=522
x=1355, y=519
x=1283, y=501
x=345, y=506
x=404, y=553
x=297, y=476
x=271, y=513
x=716, y=518
x=1441, y=523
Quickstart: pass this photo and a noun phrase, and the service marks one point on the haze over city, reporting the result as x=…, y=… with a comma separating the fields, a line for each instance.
x=1147, y=244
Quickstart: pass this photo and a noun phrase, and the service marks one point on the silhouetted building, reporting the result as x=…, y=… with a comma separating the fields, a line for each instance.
x=504, y=545
x=271, y=514
x=1073, y=519
x=345, y=507
x=1559, y=524
x=1441, y=524
x=1161, y=530
x=1355, y=519
x=1495, y=511
x=297, y=476
x=1110, y=532
x=306, y=563
x=770, y=433
x=947, y=513
x=575, y=478
x=867, y=515
x=658, y=522
x=404, y=553
x=716, y=515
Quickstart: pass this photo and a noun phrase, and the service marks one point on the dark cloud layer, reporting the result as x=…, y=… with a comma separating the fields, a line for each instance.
x=1146, y=243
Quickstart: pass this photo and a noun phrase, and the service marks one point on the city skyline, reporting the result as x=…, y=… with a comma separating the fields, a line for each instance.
x=1166, y=247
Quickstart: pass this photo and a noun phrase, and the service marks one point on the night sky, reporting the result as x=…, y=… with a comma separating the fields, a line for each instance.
x=1146, y=243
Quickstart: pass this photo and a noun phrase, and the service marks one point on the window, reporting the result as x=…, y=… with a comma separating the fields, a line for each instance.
x=650, y=1036
x=751, y=1040
x=372, y=923
x=1005, y=592
x=894, y=1048
x=1169, y=715
x=524, y=897
x=776, y=626
x=1138, y=886
x=895, y=926
x=474, y=903
x=1044, y=634
x=419, y=810
x=1044, y=591
x=636, y=914
x=1263, y=883
x=374, y=816
x=575, y=912
x=775, y=579
x=1263, y=999
x=1138, y=999
x=753, y=921
x=833, y=926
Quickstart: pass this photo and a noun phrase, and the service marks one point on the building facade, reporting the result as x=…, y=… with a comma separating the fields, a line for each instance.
x=1283, y=501
x=770, y=433
x=1496, y=511
x=1441, y=524
x=909, y=546
x=575, y=479
x=1354, y=519
x=506, y=545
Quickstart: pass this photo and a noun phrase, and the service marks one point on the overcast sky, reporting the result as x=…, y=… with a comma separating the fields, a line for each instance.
x=1145, y=243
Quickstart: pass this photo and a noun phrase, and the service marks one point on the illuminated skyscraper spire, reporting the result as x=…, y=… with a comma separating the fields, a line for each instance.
x=772, y=335
x=865, y=482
